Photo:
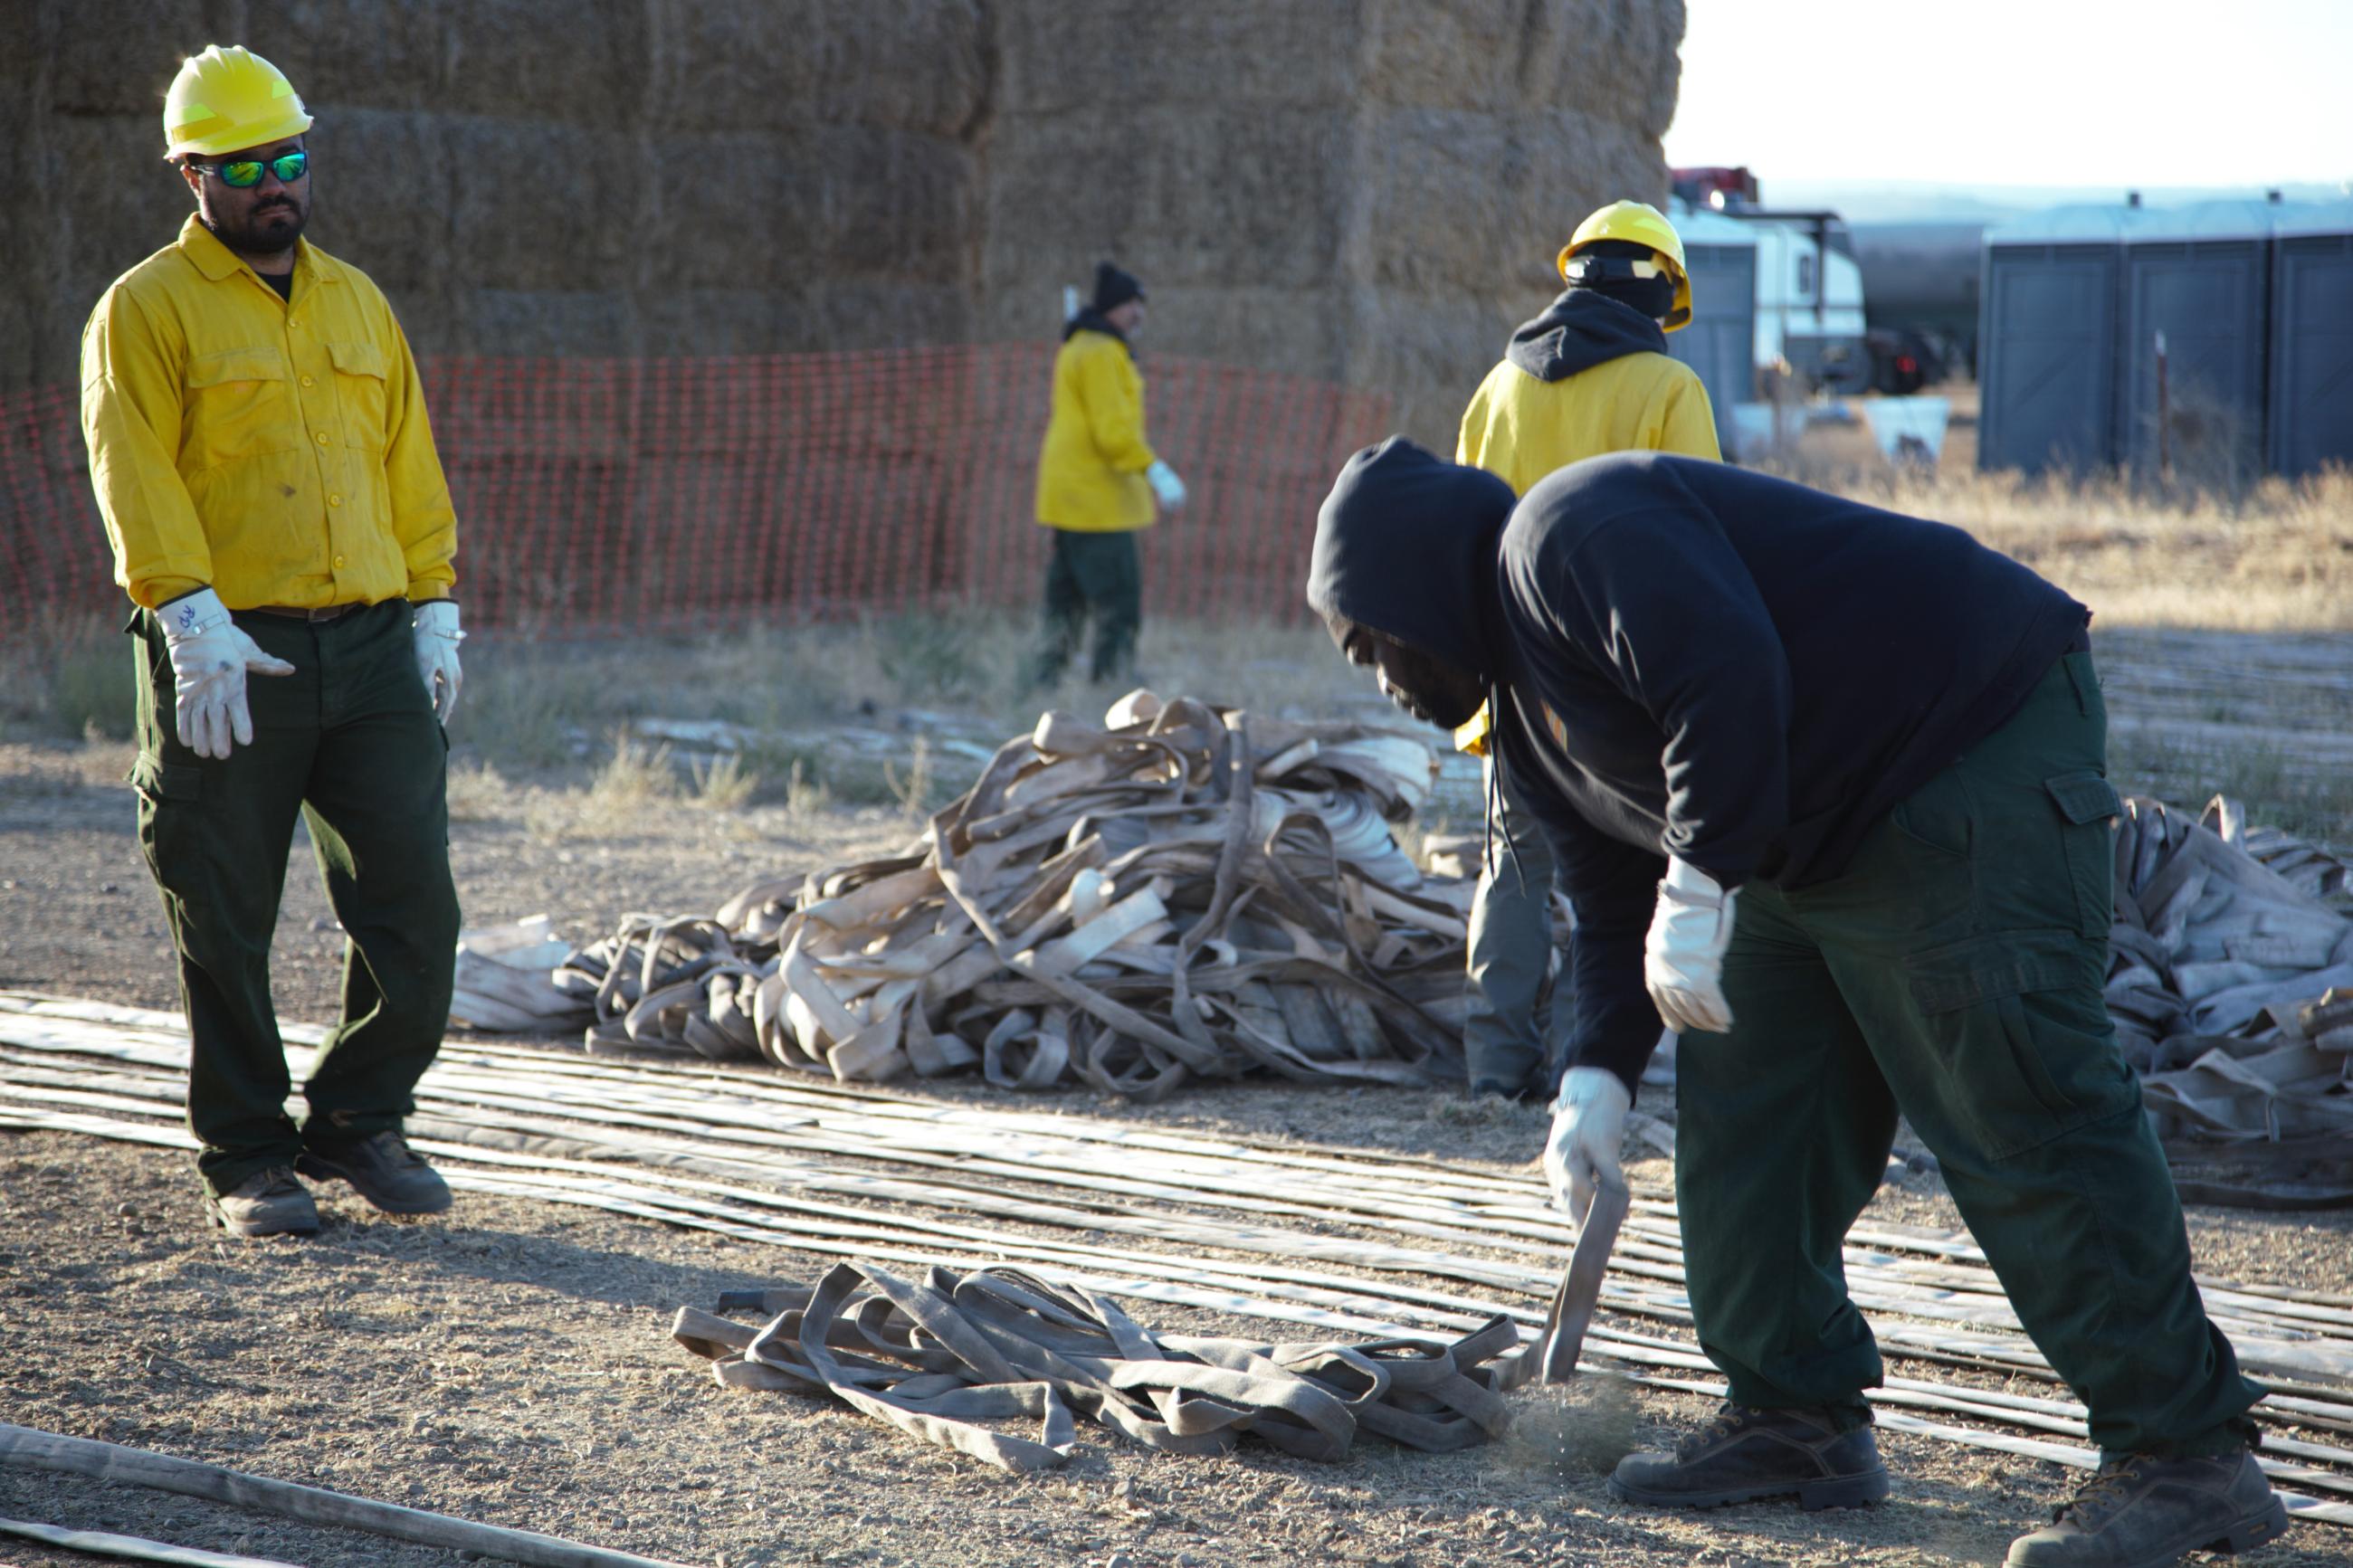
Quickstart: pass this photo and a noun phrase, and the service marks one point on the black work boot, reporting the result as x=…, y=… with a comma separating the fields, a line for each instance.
x=268, y=1203
x=383, y=1169
x=2142, y=1511
x=1746, y=1453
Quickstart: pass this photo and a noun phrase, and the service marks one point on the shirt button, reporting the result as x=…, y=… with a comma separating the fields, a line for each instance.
x=323, y=438
x=306, y=381
x=334, y=500
x=339, y=562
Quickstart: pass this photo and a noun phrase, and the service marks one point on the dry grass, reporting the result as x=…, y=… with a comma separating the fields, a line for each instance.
x=2280, y=558
x=723, y=784
x=2211, y=544
x=479, y=792
x=635, y=781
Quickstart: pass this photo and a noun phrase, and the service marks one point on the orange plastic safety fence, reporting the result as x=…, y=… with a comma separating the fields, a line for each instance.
x=673, y=494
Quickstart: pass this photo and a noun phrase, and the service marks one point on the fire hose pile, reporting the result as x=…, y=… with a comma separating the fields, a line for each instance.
x=2231, y=981
x=938, y=1358
x=1186, y=892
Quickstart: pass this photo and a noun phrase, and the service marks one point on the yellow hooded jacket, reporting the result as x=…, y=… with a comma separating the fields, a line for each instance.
x=1590, y=375
x=1091, y=471
x=276, y=451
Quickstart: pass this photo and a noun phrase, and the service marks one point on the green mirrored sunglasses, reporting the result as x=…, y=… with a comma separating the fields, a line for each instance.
x=246, y=172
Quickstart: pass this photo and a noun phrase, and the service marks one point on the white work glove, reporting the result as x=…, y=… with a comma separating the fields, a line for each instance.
x=438, y=637
x=1683, y=958
x=1588, y=1123
x=209, y=658
x=1165, y=484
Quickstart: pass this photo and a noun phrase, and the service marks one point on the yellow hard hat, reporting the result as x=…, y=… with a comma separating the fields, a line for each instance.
x=1641, y=223
x=227, y=100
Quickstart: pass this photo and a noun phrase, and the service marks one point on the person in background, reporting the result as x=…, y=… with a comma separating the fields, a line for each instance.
x=1098, y=483
x=1588, y=376
x=259, y=444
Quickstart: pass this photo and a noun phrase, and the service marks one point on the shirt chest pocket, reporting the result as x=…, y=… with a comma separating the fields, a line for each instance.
x=238, y=405
x=360, y=394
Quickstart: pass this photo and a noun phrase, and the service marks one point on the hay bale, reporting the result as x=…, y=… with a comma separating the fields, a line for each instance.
x=1325, y=188
x=382, y=202
x=784, y=66
x=535, y=321
x=521, y=62
x=344, y=55
x=88, y=72
x=1106, y=60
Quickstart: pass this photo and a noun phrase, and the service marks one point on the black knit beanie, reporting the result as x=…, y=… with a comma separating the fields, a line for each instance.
x=1114, y=289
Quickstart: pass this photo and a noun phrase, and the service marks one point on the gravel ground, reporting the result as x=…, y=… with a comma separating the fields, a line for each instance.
x=509, y=1364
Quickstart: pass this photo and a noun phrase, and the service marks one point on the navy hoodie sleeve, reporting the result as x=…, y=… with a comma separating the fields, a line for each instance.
x=1659, y=598
x=1613, y=886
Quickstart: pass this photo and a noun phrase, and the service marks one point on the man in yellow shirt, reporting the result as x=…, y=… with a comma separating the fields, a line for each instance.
x=259, y=444
x=1590, y=375
x=1098, y=482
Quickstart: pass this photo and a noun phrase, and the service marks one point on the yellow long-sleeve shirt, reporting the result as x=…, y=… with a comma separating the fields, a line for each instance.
x=1520, y=429
x=1090, y=471
x=276, y=450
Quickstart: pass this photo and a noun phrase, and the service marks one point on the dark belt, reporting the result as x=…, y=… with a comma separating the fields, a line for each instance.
x=328, y=613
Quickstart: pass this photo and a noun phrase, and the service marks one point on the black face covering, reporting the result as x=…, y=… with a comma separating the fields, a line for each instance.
x=1654, y=297
x=1606, y=268
x=1426, y=687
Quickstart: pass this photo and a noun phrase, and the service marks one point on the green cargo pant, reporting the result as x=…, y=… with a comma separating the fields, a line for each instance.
x=1505, y=1044
x=350, y=742
x=1952, y=972
x=1102, y=574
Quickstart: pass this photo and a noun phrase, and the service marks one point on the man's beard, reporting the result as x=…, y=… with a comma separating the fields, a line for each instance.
x=271, y=231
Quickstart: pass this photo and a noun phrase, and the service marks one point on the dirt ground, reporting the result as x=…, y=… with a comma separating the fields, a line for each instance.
x=509, y=1364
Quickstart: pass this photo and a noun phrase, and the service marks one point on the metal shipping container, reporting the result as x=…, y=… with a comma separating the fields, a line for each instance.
x=2312, y=338
x=2194, y=279
x=2046, y=356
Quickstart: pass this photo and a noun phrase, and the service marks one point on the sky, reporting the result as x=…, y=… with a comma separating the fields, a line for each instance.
x=2119, y=93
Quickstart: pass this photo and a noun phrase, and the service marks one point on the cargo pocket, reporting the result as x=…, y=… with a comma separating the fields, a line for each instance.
x=168, y=798
x=2087, y=804
x=2021, y=1037
x=161, y=780
x=360, y=395
x=237, y=407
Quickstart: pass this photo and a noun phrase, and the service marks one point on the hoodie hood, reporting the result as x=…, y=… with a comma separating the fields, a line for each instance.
x=1579, y=329
x=1406, y=544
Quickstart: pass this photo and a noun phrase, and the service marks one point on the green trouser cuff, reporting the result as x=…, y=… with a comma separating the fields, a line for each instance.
x=348, y=743
x=1952, y=971
x=1097, y=576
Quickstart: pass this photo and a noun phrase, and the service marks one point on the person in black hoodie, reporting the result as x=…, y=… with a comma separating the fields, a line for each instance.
x=1827, y=789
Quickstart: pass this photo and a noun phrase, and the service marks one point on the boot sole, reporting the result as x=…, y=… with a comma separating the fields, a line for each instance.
x=319, y=1169
x=1834, y=1491
x=254, y=1232
x=2254, y=1530
x=2266, y=1524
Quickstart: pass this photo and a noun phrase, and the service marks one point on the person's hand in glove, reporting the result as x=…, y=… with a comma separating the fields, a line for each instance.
x=1165, y=484
x=209, y=659
x=1682, y=959
x=438, y=637
x=1588, y=1123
